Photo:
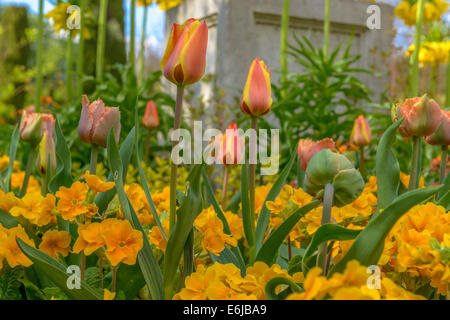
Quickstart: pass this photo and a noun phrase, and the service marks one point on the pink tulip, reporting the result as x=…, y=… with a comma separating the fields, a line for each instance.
x=441, y=137
x=308, y=148
x=151, y=118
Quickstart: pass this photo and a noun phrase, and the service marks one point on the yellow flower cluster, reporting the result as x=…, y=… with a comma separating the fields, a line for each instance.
x=408, y=247
x=9, y=249
x=224, y=282
x=37, y=209
x=431, y=52
x=211, y=227
x=350, y=285
x=433, y=11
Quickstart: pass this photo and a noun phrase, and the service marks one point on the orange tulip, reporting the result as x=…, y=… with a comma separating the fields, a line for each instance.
x=151, y=118
x=230, y=146
x=31, y=127
x=184, y=61
x=441, y=137
x=96, y=121
x=361, y=134
x=47, y=145
x=257, y=97
x=422, y=116
x=308, y=148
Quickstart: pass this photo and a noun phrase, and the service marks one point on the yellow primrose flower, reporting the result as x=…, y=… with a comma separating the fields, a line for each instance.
x=72, y=201
x=7, y=201
x=89, y=238
x=139, y=203
x=56, y=242
x=404, y=178
x=10, y=250
x=96, y=184
x=108, y=295
x=36, y=209
x=17, y=182
x=156, y=237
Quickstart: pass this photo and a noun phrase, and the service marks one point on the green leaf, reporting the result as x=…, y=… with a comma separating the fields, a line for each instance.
x=325, y=233
x=126, y=151
x=368, y=246
x=144, y=180
x=237, y=258
x=56, y=272
x=149, y=266
x=246, y=217
x=444, y=191
x=445, y=201
x=273, y=283
x=264, y=215
x=6, y=178
x=188, y=211
x=63, y=176
x=234, y=202
x=7, y=220
x=269, y=250
x=387, y=168
x=130, y=280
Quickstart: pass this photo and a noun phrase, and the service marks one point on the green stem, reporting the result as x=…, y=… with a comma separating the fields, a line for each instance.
x=101, y=39
x=443, y=166
x=83, y=265
x=100, y=270
x=132, y=35
x=30, y=163
x=80, y=63
x=44, y=183
x=447, y=94
x=142, y=51
x=37, y=101
x=69, y=64
x=434, y=74
x=414, y=163
x=361, y=160
x=147, y=145
x=188, y=256
x=326, y=29
x=114, y=279
x=94, y=157
x=415, y=57
x=224, y=186
x=284, y=41
x=252, y=177
x=173, y=170
x=326, y=217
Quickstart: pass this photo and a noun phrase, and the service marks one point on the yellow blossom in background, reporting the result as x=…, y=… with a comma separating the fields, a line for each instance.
x=4, y=163
x=108, y=295
x=431, y=52
x=9, y=248
x=56, y=242
x=139, y=203
x=7, y=200
x=433, y=11
x=59, y=16
x=404, y=178
x=96, y=184
x=17, y=182
x=235, y=223
x=35, y=208
x=156, y=237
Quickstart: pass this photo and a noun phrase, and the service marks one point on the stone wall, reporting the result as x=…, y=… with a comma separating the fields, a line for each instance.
x=240, y=30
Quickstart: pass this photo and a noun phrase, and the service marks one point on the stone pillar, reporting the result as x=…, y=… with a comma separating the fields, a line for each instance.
x=240, y=30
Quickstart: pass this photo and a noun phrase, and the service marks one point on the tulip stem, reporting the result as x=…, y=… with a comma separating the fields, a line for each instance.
x=326, y=29
x=173, y=170
x=69, y=65
x=114, y=279
x=414, y=163
x=447, y=94
x=361, y=160
x=289, y=245
x=326, y=217
x=253, y=175
x=39, y=56
x=142, y=51
x=80, y=63
x=443, y=166
x=83, y=265
x=147, y=144
x=415, y=56
x=101, y=39
x=94, y=157
x=132, y=56
x=44, y=185
x=224, y=187
x=284, y=41
x=30, y=162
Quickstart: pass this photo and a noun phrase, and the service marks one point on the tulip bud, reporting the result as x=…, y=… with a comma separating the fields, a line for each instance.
x=441, y=137
x=257, y=97
x=96, y=121
x=230, y=146
x=361, y=134
x=47, y=145
x=327, y=167
x=184, y=61
x=308, y=148
x=31, y=127
x=151, y=118
x=422, y=116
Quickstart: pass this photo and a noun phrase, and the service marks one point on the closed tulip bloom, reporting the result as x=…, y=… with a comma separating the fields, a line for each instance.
x=361, y=134
x=151, y=118
x=422, y=116
x=31, y=127
x=441, y=137
x=229, y=146
x=184, y=61
x=308, y=148
x=96, y=121
x=47, y=145
x=257, y=97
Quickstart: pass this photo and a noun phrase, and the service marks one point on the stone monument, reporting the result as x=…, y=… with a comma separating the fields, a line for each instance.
x=240, y=30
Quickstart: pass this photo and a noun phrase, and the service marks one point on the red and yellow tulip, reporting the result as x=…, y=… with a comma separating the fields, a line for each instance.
x=361, y=133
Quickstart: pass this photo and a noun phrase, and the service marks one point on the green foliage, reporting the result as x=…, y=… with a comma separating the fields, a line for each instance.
x=10, y=284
